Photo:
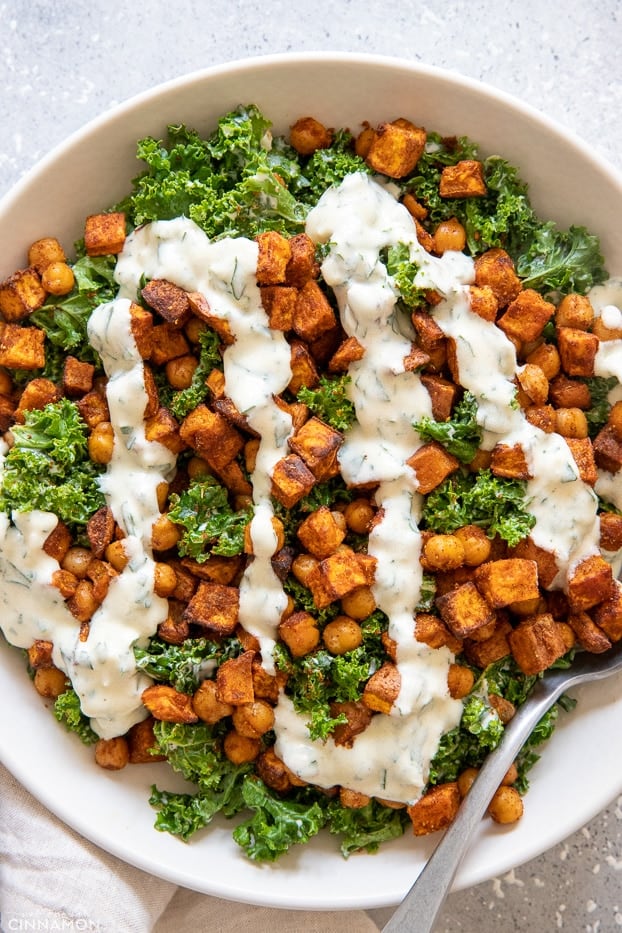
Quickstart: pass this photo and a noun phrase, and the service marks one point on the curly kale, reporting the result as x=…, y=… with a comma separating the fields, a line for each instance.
x=210, y=525
x=330, y=401
x=183, y=666
x=328, y=167
x=67, y=710
x=479, y=731
x=460, y=435
x=181, y=402
x=276, y=824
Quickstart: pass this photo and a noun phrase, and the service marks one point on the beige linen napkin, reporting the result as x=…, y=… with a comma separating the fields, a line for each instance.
x=53, y=879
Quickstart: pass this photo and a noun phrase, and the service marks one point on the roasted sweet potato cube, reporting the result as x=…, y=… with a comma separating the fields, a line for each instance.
x=167, y=343
x=591, y=582
x=382, y=688
x=503, y=582
x=291, y=480
x=233, y=477
x=45, y=251
x=465, y=179
x=526, y=316
x=94, y=408
x=58, y=541
x=302, y=264
x=304, y=370
x=608, y=614
x=320, y=533
x=22, y=347
x=168, y=704
x=536, y=643
x=100, y=530
x=279, y=303
x=432, y=464
x=610, y=531
x=216, y=569
x=432, y=631
x=21, y=294
x=416, y=359
x=527, y=549
x=339, y=574
x=436, y=809
x=211, y=436
x=104, y=234
x=307, y=135
x=300, y=633
x=348, y=351
x=491, y=649
x=396, y=147
x=583, y=454
x=37, y=394
x=464, y=610
x=608, y=449
x=214, y=607
x=234, y=680
x=429, y=335
x=509, y=461
x=162, y=428
x=358, y=717
x=168, y=300
x=142, y=743
x=495, y=268
x=541, y=416
x=318, y=444
x=443, y=395
x=40, y=654
x=7, y=412
x=483, y=302
x=200, y=307
x=589, y=635
x=274, y=255
x=298, y=411
x=77, y=377
x=577, y=350
x=313, y=314
x=569, y=393
x=226, y=407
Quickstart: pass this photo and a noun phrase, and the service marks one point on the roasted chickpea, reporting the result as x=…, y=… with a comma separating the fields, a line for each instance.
x=476, y=544
x=444, y=552
x=253, y=719
x=303, y=567
x=300, y=633
x=50, y=682
x=342, y=634
x=615, y=419
x=506, y=805
x=546, y=356
x=534, y=383
x=307, y=134
x=571, y=422
x=101, y=442
x=466, y=779
x=197, y=468
x=575, y=311
x=162, y=495
x=510, y=776
x=359, y=604
x=116, y=556
x=112, y=754
x=165, y=534
x=359, y=515
x=77, y=560
x=240, y=749
x=206, y=704
x=57, y=278
x=352, y=799
x=449, y=235
x=194, y=328
x=165, y=579
x=460, y=681
x=179, y=372
x=83, y=603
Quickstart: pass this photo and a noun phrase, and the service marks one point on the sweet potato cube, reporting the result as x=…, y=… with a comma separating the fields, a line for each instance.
x=100, y=530
x=200, y=307
x=583, y=454
x=464, y=610
x=167, y=343
x=416, y=359
x=313, y=314
x=495, y=268
x=298, y=411
x=541, y=416
x=503, y=582
x=396, y=147
x=94, y=408
x=300, y=633
x=339, y=574
x=432, y=631
x=214, y=607
x=77, y=377
x=545, y=560
x=22, y=347
x=141, y=324
x=279, y=303
x=526, y=316
x=164, y=429
x=432, y=464
x=21, y=294
x=36, y=395
x=349, y=351
x=302, y=264
x=168, y=300
x=216, y=569
x=610, y=531
x=429, y=335
x=320, y=533
x=589, y=634
x=536, y=643
x=608, y=614
x=465, y=179
x=58, y=541
x=483, y=302
x=491, y=649
x=211, y=436
x=233, y=477
x=142, y=742
x=591, y=582
x=304, y=370
x=509, y=461
x=569, y=393
x=382, y=688
x=291, y=480
x=608, y=449
x=577, y=350
x=104, y=234
x=318, y=444
x=436, y=809
x=274, y=255
x=167, y=704
x=7, y=412
x=443, y=395
x=40, y=654
x=234, y=680
x=358, y=717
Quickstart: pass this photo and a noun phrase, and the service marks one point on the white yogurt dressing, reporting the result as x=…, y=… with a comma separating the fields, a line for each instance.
x=607, y=303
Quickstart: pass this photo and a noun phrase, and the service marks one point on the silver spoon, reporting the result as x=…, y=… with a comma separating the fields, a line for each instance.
x=420, y=908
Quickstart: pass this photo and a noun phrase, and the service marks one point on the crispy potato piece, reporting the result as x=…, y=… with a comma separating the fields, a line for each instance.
x=536, y=643
x=483, y=302
x=443, y=395
x=610, y=531
x=163, y=428
x=58, y=541
x=40, y=654
x=545, y=560
x=569, y=393
x=104, y=234
x=432, y=464
x=433, y=632
x=464, y=610
x=21, y=294
x=358, y=717
x=200, y=307
x=22, y=347
x=77, y=377
x=436, y=809
x=395, y=148
x=465, y=179
x=94, y=408
x=214, y=607
x=168, y=300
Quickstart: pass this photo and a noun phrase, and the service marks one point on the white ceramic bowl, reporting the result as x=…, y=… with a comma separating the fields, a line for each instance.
x=581, y=771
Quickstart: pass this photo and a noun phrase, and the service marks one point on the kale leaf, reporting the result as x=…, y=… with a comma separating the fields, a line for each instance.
x=330, y=401
x=48, y=467
x=365, y=828
x=277, y=823
x=404, y=271
x=183, y=666
x=182, y=401
x=467, y=744
x=598, y=413
x=210, y=525
x=491, y=502
x=328, y=167
x=460, y=435
x=561, y=260
x=68, y=711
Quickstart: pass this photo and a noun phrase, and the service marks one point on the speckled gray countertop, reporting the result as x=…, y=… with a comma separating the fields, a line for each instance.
x=62, y=63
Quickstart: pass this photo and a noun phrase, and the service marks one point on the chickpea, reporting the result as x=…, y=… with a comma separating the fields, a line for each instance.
x=510, y=776
x=303, y=567
x=506, y=805
x=279, y=534
x=206, y=704
x=164, y=534
x=571, y=422
x=162, y=495
x=307, y=134
x=57, y=278
x=290, y=608
x=359, y=604
x=197, y=468
x=83, y=603
x=194, y=328
x=342, y=634
x=444, y=552
x=575, y=311
x=164, y=579
x=179, y=372
x=476, y=544
x=358, y=515
x=363, y=142
x=101, y=442
x=116, y=556
x=460, y=681
x=50, y=682
x=77, y=560
x=240, y=749
x=615, y=419
x=546, y=356
x=112, y=754
x=253, y=720
x=449, y=235
x=466, y=779
x=534, y=383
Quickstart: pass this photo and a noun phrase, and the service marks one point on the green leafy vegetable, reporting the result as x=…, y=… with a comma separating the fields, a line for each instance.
x=365, y=828
x=183, y=666
x=597, y=415
x=330, y=401
x=327, y=167
x=561, y=260
x=277, y=823
x=461, y=435
x=67, y=710
x=183, y=401
x=210, y=525
x=48, y=467
x=492, y=502
x=479, y=731
x=404, y=271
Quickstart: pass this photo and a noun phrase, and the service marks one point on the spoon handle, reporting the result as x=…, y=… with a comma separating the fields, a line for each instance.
x=420, y=908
